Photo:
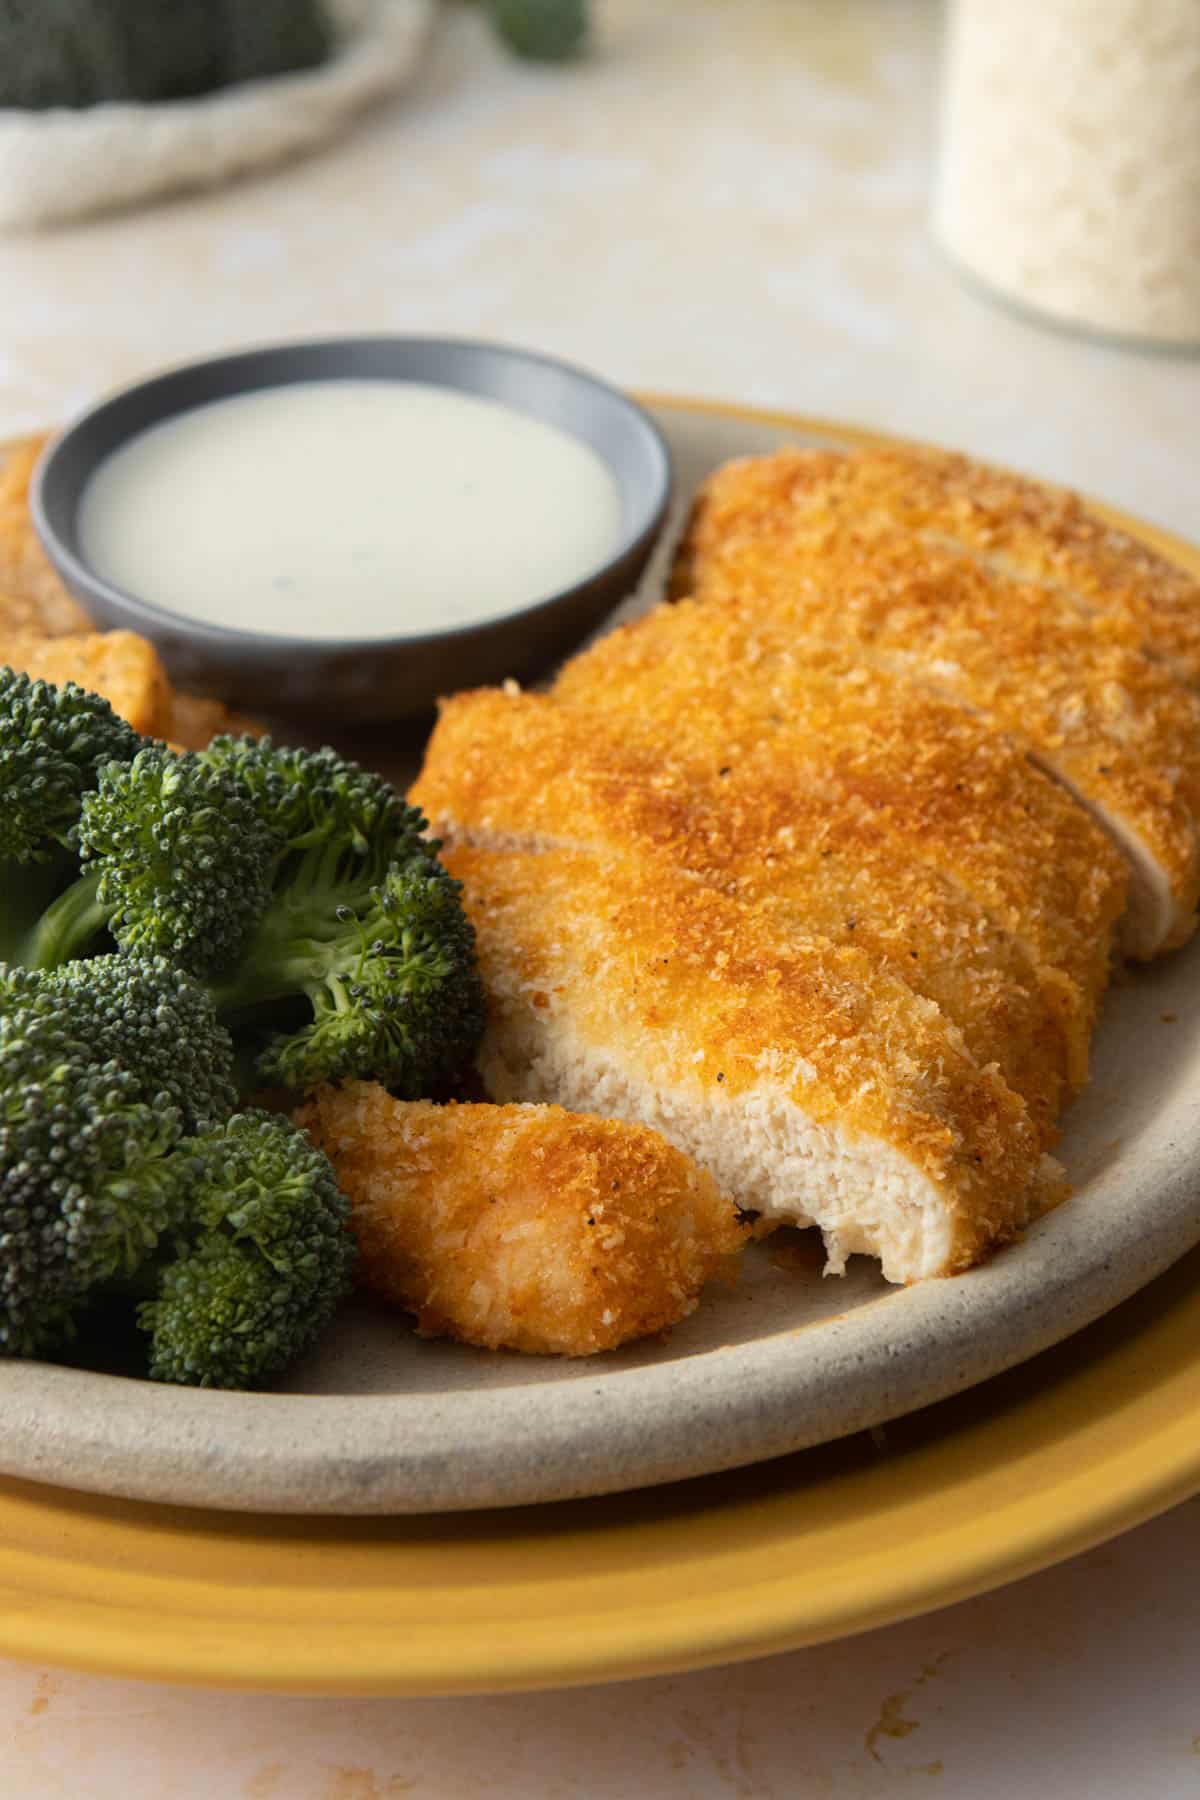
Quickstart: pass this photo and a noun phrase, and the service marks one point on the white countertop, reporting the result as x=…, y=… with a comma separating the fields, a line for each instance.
x=726, y=200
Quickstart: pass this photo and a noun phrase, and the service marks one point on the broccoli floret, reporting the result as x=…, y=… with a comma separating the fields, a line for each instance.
x=235, y=1239
x=315, y=798
x=260, y=1262
x=299, y=886
x=82, y=52
x=53, y=744
x=273, y=37
x=543, y=30
x=87, y=1182
x=158, y=1025
x=175, y=862
x=54, y=741
x=365, y=927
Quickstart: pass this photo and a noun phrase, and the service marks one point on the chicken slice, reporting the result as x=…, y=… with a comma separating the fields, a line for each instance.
x=1117, y=729
x=721, y=690
x=814, y=1086
x=806, y=866
x=523, y=1227
x=1014, y=527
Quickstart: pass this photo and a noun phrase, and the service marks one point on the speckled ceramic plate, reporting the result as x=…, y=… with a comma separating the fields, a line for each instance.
x=381, y=1423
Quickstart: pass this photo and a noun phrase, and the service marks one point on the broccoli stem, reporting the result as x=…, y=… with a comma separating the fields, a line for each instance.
x=306, y=941
x=67, y=928
x=26, y=890
x=279, y=965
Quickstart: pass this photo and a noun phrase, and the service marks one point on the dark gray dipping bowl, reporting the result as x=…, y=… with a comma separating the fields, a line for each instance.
x=365, y=680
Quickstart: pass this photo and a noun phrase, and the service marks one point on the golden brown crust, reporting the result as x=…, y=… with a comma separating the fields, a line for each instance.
x=782, y=849
x=1026, y=530
x=195, y=721
x=523, y=1227
x=835, y=546
x=683, y=986
x=119, y=665
x=32, y=598
x=715, y=686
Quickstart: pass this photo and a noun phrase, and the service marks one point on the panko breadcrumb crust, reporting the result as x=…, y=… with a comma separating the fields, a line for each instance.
x=119, y=665
x=893, y=555
x=33, y=600
x=523, y=1227
x=1026, y=530
x=876, y=794
x=779, y=849
x=707, y=1014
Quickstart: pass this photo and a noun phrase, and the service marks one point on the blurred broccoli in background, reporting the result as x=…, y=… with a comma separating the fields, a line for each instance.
x=542, y=30
x=81, y=53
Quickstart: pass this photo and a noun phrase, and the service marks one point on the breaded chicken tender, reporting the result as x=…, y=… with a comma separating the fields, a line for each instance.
x=119, y=665
x=523, y=1227
x=195, y=721
x=32, y=598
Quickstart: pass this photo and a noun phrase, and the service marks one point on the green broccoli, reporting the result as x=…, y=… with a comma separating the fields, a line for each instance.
x=259, y=1263
x=53, y=744
x=273, y=37
x=158, y=1025
x=83, y=52
x=87, y=1184
x=365, y=931
x=298, y=886
x=234, y=1239
x=542, y=30
x=175, y=862
x=54, y=741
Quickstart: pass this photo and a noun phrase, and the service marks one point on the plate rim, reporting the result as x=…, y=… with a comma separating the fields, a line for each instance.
x=637, y=1426
x=725, y=1569
x=54, y=1541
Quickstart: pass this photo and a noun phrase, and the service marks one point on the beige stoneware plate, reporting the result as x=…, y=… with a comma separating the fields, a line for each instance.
x=379, y=1422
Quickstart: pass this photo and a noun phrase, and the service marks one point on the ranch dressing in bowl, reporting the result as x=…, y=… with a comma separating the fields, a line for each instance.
x=349, y=509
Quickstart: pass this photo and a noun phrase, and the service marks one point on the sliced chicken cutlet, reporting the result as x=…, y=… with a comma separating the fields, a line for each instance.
x=721, y=690
x=1016, y=528
x=514, y=770
x=811, y=1083
x=1116, y=729
x=523, y=1227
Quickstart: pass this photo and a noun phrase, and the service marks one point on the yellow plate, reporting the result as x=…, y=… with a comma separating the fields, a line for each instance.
x=1075, y=1446
x=1083, y=1442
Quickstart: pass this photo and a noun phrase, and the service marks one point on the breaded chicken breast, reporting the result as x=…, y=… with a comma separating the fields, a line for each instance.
x=812, y=1084
x=523, y=1227
x=842, y=549
x=805, y=867
x=713, y=686
x=1013, y=527
x=821, y=872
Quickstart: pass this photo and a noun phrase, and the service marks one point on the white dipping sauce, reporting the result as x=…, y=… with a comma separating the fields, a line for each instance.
x=333, y=509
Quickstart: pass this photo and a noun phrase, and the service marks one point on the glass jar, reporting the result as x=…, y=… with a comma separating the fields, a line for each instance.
x=1069, y=176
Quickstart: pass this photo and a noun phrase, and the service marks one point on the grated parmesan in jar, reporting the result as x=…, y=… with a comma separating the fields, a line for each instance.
x=1070, y=171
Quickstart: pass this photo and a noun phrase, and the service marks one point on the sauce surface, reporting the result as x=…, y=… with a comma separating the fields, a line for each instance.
x=334, y=509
